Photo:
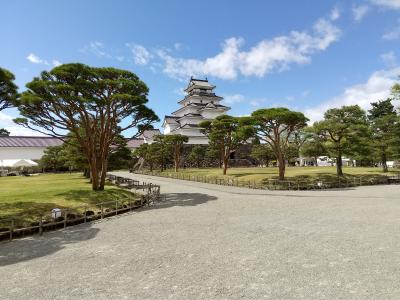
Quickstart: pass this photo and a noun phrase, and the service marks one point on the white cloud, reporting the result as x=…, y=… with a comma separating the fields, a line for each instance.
x=33, y=58
x=335, y=14
x=21, y=131
x=96, y=48
x=180, y=91
x=269, y=55
x=359, y=12
x=390, y=4
x=376, y=88
x=178, y=46
x=56, y=63
x=389, y=58
x=255, y=103
x=6, y=122
x=305, y=93
x=5, y=119
x=232, y=99
x=141, y=56
x=289, y=98
x=393, y=34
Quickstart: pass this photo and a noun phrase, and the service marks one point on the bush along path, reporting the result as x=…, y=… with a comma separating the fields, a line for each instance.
x=288, y=184
x=145, y=194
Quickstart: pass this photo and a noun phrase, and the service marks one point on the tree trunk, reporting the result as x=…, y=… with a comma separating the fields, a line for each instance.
x=226, y=162
x=281, y=166
x=339, y=165
x=176, y=158
x=162, y=160
x=104, y=168
x=384, y=162
x=86, y=173
x=95, y=178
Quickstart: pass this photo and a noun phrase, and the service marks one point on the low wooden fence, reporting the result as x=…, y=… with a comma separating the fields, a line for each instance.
x=62, y=218
x=150, y=192
x=275, y=184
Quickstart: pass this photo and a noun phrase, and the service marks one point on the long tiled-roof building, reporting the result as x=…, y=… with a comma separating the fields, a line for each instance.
x=25, y=147
x=199, y=104
x=32, y=147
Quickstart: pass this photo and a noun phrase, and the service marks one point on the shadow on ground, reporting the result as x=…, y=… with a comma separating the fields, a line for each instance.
x=182, y=199
x=35, y=247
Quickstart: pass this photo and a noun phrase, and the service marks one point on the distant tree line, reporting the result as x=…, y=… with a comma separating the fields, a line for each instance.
x=95, y=106
x=280, y=136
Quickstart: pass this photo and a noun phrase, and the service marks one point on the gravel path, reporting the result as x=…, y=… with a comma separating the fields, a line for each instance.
x=216, y=242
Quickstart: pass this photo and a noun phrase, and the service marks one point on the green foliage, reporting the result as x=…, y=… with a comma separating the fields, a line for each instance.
x=396, y=91
x=175, y=142
x=75, y=159
x=70, y=156
x=54, y=158
x=292, y=153
x=197, y=155
x=344, y=131
x=155, y=154
x=8, y=89
x=313, y=147
x=277, y=127
x=227, y=133
x=262, y=153
x=89, y=102
x=4, y=132
x=383, y=120
x=213, y=155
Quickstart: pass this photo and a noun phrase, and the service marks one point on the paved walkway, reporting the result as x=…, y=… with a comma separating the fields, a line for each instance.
x=217, y=242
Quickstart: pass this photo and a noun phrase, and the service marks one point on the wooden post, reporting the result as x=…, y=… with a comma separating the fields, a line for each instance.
x=41, y=225
x=11, y=229
x=116, y=207
x=102, y=211
x=84, y=215
x=65, y=218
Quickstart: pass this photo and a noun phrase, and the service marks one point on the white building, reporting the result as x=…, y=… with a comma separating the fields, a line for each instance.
x=324, y=161
x=25, y=147
x=33, y=147
x=199, y=104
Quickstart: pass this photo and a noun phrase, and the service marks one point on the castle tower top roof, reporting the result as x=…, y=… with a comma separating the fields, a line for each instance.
x=200, y=84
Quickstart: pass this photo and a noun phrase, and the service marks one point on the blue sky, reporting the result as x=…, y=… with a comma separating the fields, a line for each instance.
x=306, y=55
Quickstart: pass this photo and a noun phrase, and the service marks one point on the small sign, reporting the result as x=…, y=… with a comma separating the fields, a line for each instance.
x=55, y=213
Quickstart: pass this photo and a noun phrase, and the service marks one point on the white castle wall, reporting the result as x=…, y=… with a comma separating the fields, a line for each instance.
x=33, y=153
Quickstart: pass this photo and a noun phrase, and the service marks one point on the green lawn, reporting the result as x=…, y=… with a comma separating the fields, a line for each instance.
x=292, y=173
x=26, y=198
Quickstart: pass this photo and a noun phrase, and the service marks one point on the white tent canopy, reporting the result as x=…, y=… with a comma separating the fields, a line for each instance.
x=16, y=163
